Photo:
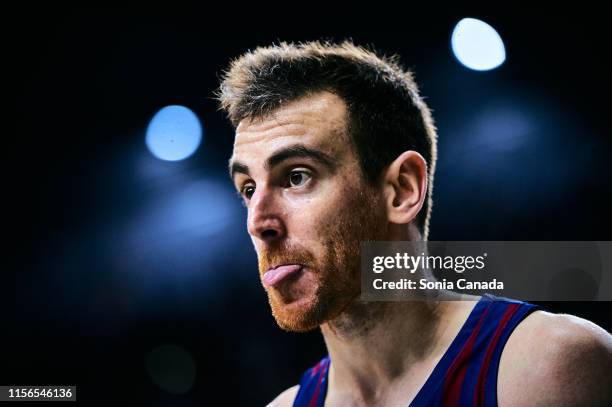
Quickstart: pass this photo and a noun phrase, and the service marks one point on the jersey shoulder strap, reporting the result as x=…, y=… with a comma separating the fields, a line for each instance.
x=467, y=374
x=313, y=385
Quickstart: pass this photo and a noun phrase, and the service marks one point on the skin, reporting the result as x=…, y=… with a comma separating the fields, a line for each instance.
x=303, y=211
x=297, y=205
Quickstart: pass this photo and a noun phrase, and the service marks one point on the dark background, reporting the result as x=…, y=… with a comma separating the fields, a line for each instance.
x=132, y=271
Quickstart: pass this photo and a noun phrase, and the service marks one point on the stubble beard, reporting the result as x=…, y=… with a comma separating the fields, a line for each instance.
x=335, y=278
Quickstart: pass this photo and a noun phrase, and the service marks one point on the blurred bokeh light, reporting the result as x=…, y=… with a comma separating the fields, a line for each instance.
x=477, y=45
x=174, y=133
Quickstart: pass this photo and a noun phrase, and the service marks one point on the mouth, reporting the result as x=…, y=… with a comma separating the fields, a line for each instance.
x=274, y=276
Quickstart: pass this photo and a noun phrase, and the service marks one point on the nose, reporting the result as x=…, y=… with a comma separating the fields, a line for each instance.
x=265, y=217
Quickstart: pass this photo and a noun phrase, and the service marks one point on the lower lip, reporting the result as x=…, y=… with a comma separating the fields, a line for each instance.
x=275, y=276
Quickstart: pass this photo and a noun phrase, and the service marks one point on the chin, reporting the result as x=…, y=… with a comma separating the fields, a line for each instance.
x=301, y=315
x=306, y=314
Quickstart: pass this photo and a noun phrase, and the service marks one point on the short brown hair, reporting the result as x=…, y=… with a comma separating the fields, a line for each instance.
x=387, y=116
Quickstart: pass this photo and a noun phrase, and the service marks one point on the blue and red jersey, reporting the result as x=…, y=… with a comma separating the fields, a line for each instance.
x=466, y=374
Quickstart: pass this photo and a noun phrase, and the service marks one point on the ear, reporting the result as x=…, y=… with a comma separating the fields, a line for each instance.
x=405, y=187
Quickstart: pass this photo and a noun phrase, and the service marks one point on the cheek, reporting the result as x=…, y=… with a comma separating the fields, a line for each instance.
x=311, y=217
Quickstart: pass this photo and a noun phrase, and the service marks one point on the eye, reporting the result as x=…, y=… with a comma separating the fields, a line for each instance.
x=247, y=191
x=298, y=178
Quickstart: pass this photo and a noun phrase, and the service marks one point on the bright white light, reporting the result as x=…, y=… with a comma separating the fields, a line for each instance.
x=174, y=133
x=477, y=45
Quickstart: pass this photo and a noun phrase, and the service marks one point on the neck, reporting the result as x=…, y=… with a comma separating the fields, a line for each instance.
x=373, y=345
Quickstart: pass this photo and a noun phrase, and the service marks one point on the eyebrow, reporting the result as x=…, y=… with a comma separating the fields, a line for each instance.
x=284, y=154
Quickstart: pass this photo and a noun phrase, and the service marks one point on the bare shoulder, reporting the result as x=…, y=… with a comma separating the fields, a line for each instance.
x=556, y=359
x=285, y=399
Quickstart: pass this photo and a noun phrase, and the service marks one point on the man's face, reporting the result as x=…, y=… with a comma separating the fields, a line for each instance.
x=308, y=208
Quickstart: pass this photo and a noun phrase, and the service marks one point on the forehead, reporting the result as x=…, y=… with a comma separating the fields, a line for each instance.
x=318, y=120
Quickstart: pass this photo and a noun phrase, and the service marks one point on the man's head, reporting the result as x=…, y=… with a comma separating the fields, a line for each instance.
x=333, y=146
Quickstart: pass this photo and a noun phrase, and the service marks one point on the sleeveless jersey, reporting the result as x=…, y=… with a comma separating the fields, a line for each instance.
x=466, y=375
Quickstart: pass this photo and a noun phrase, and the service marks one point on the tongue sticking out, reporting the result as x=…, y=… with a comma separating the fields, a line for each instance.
x=275, y=276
